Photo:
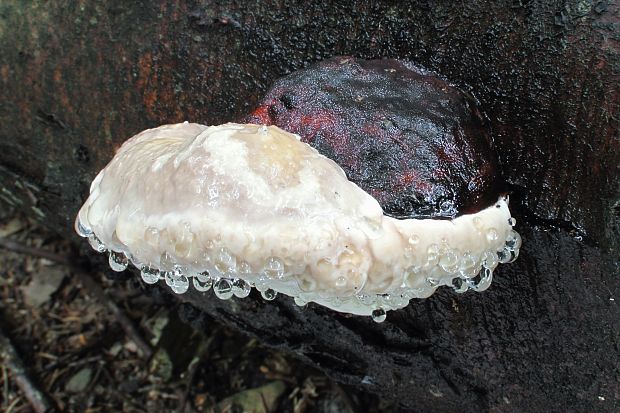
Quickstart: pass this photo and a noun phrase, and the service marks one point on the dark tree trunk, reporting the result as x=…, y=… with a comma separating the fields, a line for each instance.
x=78, y=78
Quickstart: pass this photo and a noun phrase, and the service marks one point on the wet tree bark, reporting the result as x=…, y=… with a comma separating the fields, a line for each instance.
x=79, y=78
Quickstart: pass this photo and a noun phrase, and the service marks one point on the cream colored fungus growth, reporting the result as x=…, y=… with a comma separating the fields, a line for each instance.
x=240, y=206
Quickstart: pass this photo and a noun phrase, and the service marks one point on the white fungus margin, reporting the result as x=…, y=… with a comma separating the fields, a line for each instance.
x=241, y=206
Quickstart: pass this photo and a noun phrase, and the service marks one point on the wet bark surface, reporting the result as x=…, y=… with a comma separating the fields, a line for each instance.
x=78, y=80
x=544, y=337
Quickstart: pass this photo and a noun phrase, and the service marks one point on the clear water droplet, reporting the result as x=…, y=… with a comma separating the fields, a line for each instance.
x=225, y=262
x=149, y=275
x=261, y=283
x=468, y=260
x=366, y=299
x=81, y=229
x=469, y=272
x=341, y=282
x=432, y=257
x=414, y=239
x=459, y=285
x=513, y=256
x=203, y=276
x=241, y=288
x=449, y=261
x=274, y=267
x=95, y=243
x=481, y=281
x=180, y=284
x=243, y=268
x=378, y=315
x=469, y=265
x=489, y=260
x=474, y=281
x=118, y=261
x=385, y=299
x=169, y=278
x=512, y=222
x=412, y=276
x=223, y=289
x=202, y=282
x=166, y=262
x=492, y=235
x=394, y=300
x=513, y=240
x=433, y=282
x=504, y=255
x=269, y=294
x=487, y=276
x=300, y=301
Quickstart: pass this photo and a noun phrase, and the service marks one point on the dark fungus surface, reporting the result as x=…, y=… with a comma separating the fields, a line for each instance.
x=417, y=144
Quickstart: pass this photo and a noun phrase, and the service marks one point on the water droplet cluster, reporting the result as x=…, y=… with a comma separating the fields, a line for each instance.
x=249, y=206
x=228, y=276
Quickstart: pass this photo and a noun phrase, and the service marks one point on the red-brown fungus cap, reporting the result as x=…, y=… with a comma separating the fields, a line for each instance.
x=413, y=141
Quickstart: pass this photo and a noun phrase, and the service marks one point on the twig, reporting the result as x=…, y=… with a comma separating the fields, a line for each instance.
x=191, y=373
x=123, y=320
x=25, y=249
x=94, y=287
x=40, y=402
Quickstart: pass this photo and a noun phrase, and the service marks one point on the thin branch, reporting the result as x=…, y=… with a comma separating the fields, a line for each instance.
x=37, y=252
x=40, y=401
x=127, y=325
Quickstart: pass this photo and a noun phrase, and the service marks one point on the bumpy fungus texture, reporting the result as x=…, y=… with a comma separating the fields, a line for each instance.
x=240, y=206
x=407, y=137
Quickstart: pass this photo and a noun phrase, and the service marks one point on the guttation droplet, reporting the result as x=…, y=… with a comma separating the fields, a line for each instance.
x=504, y=255
x=274, y=268
x=269, y=294
x=82, y=230
x=225, y=262
x=202, y=282
x=149, y=275
x=489, y=260
x=223, y=289
x=492, y=235
x=180, y=284
x=168, y=278
x=513, y=240
x=459, y=285
x=433, y=282
x=240, y=288
x=481, y=281
x=118, y=261
x=95, y=243
x=378, y=315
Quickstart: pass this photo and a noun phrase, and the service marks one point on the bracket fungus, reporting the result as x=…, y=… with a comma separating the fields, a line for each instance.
x=238, y=206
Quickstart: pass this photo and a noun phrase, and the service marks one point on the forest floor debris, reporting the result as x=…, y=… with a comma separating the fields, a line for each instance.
x=92, y=344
